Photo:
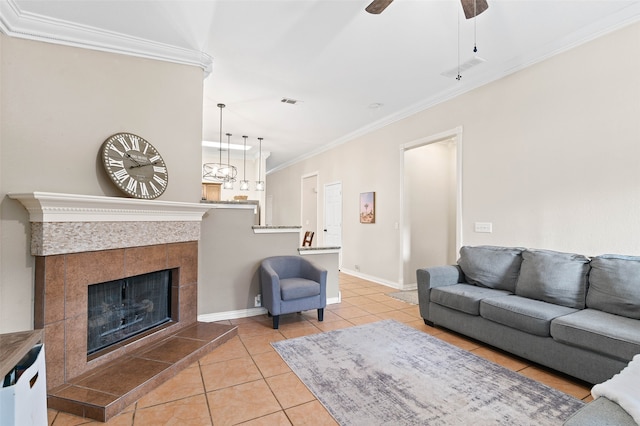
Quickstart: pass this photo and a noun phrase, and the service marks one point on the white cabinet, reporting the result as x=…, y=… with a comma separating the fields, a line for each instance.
x=24, y=403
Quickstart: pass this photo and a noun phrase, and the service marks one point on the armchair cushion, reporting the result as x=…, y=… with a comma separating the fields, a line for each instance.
x=297, y=288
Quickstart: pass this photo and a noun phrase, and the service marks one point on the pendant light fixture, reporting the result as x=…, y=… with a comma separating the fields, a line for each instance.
x=244, y=183
x=259, y=182
x=220, y=172
x=229, y=176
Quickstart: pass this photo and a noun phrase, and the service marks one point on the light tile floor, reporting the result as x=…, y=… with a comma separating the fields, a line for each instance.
x=246, y=382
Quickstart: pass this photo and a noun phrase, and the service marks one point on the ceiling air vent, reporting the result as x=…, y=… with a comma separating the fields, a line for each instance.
x=470, y=63
x=289, y=101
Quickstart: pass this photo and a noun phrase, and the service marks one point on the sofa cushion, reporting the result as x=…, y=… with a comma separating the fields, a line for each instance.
x=599, y=331
x=490, y=266
x=530, y=316
x=464, y=297
x=614, y=285
x=554, y=277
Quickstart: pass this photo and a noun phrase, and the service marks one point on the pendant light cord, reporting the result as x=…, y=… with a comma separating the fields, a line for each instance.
x=229, y=155
x=458, y=77
x=260, y=161
x=244, y=159
x=475, y=26
x=220, y=139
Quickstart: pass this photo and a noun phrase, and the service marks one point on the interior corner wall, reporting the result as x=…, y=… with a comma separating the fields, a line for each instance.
x=550, y=158
x=59, y=104
x=1, y=233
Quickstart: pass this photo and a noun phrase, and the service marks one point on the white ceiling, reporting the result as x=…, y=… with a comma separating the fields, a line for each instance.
x=351, y=71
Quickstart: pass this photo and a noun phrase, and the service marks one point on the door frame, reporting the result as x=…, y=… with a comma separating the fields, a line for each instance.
x=456, y=134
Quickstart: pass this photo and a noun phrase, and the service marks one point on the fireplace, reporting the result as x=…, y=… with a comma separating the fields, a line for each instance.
x=62, y=285
x=121, y=309
x=82, y=241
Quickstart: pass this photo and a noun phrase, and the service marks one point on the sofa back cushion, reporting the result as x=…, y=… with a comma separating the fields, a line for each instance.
x=491, y=266
x=554, y=277
x=614, y=285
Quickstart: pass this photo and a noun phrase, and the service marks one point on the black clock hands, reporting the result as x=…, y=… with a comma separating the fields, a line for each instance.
x=142, y=165
x=134, y=160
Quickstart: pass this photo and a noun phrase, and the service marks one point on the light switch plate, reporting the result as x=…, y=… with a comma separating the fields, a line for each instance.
x=483, y=227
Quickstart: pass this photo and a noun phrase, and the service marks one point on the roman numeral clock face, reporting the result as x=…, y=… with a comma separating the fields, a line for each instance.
x=134, y=165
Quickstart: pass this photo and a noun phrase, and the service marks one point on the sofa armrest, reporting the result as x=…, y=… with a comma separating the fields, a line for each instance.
x=433, y=277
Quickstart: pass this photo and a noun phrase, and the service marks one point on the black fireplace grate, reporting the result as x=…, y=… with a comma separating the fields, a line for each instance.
x=120, y=309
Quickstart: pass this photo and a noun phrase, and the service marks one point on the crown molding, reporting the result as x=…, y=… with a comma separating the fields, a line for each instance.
x=15, y=22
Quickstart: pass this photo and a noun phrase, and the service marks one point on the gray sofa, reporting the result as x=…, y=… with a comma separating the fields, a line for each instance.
x=576, y=315
x=600, y=412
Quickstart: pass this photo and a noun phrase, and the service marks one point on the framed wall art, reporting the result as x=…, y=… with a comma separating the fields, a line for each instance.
x=368, y=207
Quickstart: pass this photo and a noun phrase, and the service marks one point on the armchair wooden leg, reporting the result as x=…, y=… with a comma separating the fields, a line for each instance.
x=276, y=321
x=321, y=314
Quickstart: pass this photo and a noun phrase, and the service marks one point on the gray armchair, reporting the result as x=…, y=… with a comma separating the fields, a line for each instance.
x=292, y=284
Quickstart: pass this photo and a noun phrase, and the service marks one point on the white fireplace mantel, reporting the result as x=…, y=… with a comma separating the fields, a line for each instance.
x=69, y=223
x=55, y=207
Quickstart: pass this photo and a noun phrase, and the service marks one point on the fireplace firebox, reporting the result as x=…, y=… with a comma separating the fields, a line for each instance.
x=120, y=309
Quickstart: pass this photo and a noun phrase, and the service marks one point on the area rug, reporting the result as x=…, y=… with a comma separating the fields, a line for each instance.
x=409, y=296
x=387, y=373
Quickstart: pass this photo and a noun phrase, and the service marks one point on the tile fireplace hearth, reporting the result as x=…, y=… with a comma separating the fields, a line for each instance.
x=79, y=241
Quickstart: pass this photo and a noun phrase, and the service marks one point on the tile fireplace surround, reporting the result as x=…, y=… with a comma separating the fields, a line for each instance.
x=82, y=240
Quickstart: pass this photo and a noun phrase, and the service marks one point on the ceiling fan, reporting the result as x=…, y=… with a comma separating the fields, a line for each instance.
x=471, y=8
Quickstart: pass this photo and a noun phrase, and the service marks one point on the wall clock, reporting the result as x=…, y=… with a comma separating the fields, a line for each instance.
x=134, y=165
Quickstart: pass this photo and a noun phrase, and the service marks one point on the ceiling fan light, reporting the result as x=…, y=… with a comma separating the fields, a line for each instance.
x=473, y=8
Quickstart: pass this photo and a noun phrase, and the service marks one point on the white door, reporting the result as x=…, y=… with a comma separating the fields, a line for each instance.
x=333, y=215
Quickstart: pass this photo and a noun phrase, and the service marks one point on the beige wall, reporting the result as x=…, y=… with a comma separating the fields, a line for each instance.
x=230, y=255
x=58, y=105
x=550, y=157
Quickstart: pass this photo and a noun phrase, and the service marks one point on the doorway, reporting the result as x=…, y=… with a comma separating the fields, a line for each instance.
x=431, y=203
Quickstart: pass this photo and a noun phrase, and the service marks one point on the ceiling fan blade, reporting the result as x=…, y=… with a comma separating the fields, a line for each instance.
x=473, y=7
x=377, y=6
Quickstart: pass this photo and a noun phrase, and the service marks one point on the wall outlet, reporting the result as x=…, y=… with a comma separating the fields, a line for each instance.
x=258, y=301
x=357, y=267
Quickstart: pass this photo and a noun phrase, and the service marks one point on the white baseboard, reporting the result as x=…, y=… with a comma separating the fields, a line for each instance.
x=250, y=312
x=242, y=313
